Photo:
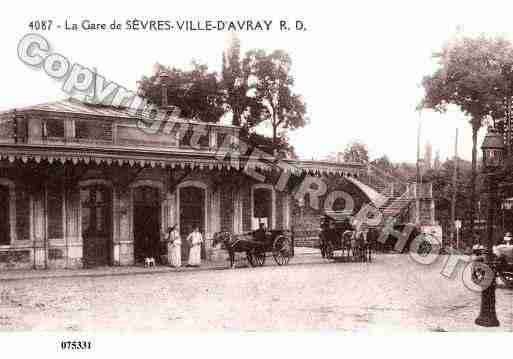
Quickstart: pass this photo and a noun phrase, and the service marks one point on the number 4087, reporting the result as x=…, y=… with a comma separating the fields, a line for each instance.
x=37, y=25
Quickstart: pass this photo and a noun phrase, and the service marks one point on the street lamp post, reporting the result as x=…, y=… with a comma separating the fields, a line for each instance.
x=493, y=162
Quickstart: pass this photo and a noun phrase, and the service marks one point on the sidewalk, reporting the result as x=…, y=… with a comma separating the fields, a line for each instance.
x=20, y=274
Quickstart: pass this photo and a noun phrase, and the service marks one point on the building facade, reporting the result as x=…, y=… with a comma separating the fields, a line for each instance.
x=84, y=185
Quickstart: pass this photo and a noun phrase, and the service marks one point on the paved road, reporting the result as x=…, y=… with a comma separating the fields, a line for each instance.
x=392, y=293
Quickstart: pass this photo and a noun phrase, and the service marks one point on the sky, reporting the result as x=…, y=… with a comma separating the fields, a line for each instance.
x=358, y=65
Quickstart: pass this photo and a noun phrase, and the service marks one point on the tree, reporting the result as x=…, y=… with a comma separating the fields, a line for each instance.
x=356, y=151
x=384, y=163
x=282, y=149
x=271, y=82
x=245, y=109
x=196, y=92
x=471, y=75
x=253, y=90
x=443, y=189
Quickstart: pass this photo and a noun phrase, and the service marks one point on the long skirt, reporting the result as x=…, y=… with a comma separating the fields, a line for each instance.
x=176, y=255
x=195, y=255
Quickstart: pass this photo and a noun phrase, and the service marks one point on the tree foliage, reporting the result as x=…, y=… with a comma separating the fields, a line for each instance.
x=272, y=84
x=384, y=163
x=255, y=89
x=472, y=74
x=356, y=151
x=245, y=109
x=475, y=75
x=195, y=92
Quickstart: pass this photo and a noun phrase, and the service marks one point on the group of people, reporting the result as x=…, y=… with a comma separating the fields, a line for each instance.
x=194, y=239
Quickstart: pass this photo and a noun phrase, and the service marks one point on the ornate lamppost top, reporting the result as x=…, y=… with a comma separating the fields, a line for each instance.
x=493, y=150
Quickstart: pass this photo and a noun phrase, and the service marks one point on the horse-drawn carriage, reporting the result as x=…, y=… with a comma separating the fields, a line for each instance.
x=256, y=245
x=338, y=234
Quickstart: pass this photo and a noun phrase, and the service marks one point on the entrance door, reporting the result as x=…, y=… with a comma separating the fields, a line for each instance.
x=192, y=213
x=146, y=223
x=4, y=216
x=262, y=207
x=96, y=225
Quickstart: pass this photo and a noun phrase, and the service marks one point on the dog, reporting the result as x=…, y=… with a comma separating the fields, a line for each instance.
x=149, y=262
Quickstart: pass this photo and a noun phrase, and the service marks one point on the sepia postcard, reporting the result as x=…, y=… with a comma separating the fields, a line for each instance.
x=245, y=179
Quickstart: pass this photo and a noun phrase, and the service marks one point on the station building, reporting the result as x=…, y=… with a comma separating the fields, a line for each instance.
x=82, y=185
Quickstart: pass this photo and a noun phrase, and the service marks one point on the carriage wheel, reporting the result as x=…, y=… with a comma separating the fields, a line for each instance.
x=478, y=274
x=256, y=258
x=282, y=250
x=259, y=258
x=507, y=278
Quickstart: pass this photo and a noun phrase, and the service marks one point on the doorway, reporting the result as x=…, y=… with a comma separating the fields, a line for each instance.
x=192, y=213
x=147, y=213
x=96, y=225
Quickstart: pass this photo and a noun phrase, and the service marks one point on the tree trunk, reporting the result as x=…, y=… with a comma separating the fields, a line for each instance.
x=473, y=180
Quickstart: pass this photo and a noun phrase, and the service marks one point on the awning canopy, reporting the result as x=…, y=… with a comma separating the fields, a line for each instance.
x=140, y=157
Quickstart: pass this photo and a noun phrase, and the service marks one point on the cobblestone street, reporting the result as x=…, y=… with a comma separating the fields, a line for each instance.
x=392, y=293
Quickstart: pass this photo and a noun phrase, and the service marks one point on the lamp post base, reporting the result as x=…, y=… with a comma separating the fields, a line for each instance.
x=488, y=316
x=487, y=322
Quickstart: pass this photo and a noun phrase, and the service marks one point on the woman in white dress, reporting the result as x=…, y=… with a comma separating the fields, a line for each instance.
x=175, y=249
x=195, y=239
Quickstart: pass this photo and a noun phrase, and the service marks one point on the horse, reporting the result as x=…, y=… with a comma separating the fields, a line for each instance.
x=370, y=244
x=363, y=246
x=359, y=246
x=355, y=244
x=327, y=241
x=234, y=244
x=348, y=242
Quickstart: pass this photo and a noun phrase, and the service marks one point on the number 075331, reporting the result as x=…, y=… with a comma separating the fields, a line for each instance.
x=76, y=345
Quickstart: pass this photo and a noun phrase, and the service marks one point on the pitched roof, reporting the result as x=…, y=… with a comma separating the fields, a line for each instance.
x=73, y=106
x=76, y=107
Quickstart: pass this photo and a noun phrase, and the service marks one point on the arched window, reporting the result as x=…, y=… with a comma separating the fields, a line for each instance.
x=96, y=210
x=192, y=206
x=96, y=202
